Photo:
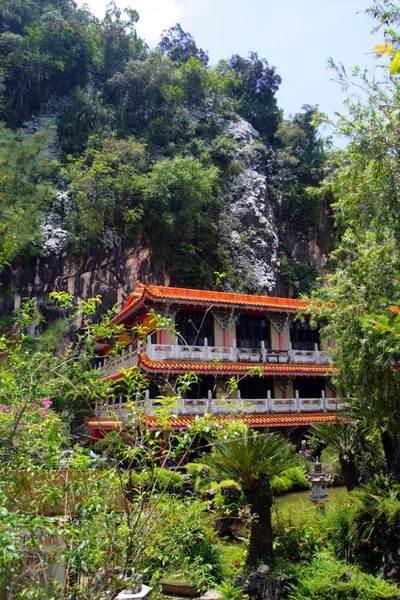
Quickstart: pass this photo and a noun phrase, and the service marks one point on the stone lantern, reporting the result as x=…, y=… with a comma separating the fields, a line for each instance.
x=319, y=480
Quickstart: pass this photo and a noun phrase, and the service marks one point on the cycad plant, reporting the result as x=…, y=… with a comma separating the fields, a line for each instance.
x=254, y=460
x=343, y=439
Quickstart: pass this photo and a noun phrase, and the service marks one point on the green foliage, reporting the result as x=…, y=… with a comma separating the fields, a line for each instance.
x=291, y=479
x=182, y=197
x=165, y=480
x=327, y=578
x=297, y=541
x=252, y=458
x=229, y=496
x=183, y=521
x=228, y=591
x=25, y=190
x=253, y=84
x=106, y=186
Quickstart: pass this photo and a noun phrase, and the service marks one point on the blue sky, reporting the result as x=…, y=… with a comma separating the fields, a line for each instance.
x=296, y=36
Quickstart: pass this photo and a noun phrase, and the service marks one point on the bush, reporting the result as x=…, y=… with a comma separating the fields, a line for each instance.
x=292, y=479
x=166, y=480
x=176, y=531
x=299, y=540
x=229, y=496
x=342, y=531
x=197, y=469
x=327, y=578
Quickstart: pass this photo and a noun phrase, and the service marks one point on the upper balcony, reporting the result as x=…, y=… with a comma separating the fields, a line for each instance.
x=233, y=354
x=176, y=352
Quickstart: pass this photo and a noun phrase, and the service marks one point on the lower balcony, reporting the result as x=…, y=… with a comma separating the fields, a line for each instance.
x=117, y=406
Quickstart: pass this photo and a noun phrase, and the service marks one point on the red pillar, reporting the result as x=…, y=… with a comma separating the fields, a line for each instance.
x=226, y=339
x=163, y=336
x=281, y=342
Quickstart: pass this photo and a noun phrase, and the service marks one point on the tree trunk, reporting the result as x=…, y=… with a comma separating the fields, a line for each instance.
x=349, y=473
x=391, y=455
x=260, y=547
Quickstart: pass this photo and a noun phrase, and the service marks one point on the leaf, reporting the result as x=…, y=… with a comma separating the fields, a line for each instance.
x=384, y=49
x=395, y=64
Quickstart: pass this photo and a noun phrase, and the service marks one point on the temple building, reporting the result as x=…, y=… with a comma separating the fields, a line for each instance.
x=279, y=364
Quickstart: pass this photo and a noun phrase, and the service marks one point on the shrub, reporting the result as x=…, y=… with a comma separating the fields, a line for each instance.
x=197, y=469
x=292, y=479
x=299, y=540
x=342, y=530
x=327, y=578
x=175, y=531
x=166, y=480
x=229, y=496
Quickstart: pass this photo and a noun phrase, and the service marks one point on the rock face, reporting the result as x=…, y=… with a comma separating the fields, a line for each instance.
x=112, y=276
x=249, y=226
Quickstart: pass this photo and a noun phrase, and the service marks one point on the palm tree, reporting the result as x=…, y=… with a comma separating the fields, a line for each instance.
x=254, y=460
x=343, y=438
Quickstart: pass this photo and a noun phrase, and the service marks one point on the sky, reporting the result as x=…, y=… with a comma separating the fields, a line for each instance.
x=295, y=36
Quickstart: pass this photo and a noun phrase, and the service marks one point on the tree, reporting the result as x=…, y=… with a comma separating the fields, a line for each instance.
x=180, y=46
x=106, y=188
x=364, y=180
x=254, y=84
x=342, y=438
x=182, y=197
x=254, y=460
x=25, y=190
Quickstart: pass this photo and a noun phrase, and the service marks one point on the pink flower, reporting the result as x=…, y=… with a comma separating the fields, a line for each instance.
x=46, y=405
x=15, y=444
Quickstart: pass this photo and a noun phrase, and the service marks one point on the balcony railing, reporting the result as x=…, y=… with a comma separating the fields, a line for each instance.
x=233, y=354
x=214, y=406
x=112, y=364
x=129, y=357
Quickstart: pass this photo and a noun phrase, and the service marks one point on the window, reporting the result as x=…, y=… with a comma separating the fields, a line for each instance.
x=302, y=337
x=251, y=330
x=309, y=387
x=199, y=391
x=194, y=326
x=252, y=388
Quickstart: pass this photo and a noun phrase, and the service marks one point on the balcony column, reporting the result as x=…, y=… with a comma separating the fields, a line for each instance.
x=263, y=352
x=163, y=336
x=209, y=401
x=297, y=405
x=225, y=320
x=206, y=350
x=234, y=351
x=280, y=324
x=284, y=383
x=324, y=404
x=268, y=402
x=317, y=354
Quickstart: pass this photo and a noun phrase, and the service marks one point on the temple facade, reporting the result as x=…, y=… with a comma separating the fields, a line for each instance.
x=279, y=365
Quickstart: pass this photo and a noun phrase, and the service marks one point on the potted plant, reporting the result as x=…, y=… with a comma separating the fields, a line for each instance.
x=229, y=500
x=188, y=580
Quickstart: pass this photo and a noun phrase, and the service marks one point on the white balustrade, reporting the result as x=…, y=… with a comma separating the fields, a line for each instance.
x=261, y=355
x=226, y=406
x=112, y=364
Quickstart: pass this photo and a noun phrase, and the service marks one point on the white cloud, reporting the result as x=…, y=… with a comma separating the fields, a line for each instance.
x=155, y=15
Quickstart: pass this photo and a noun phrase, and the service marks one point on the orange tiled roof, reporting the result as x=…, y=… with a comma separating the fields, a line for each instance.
x=227, y=368
x=256, y=420
x=158, y=293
